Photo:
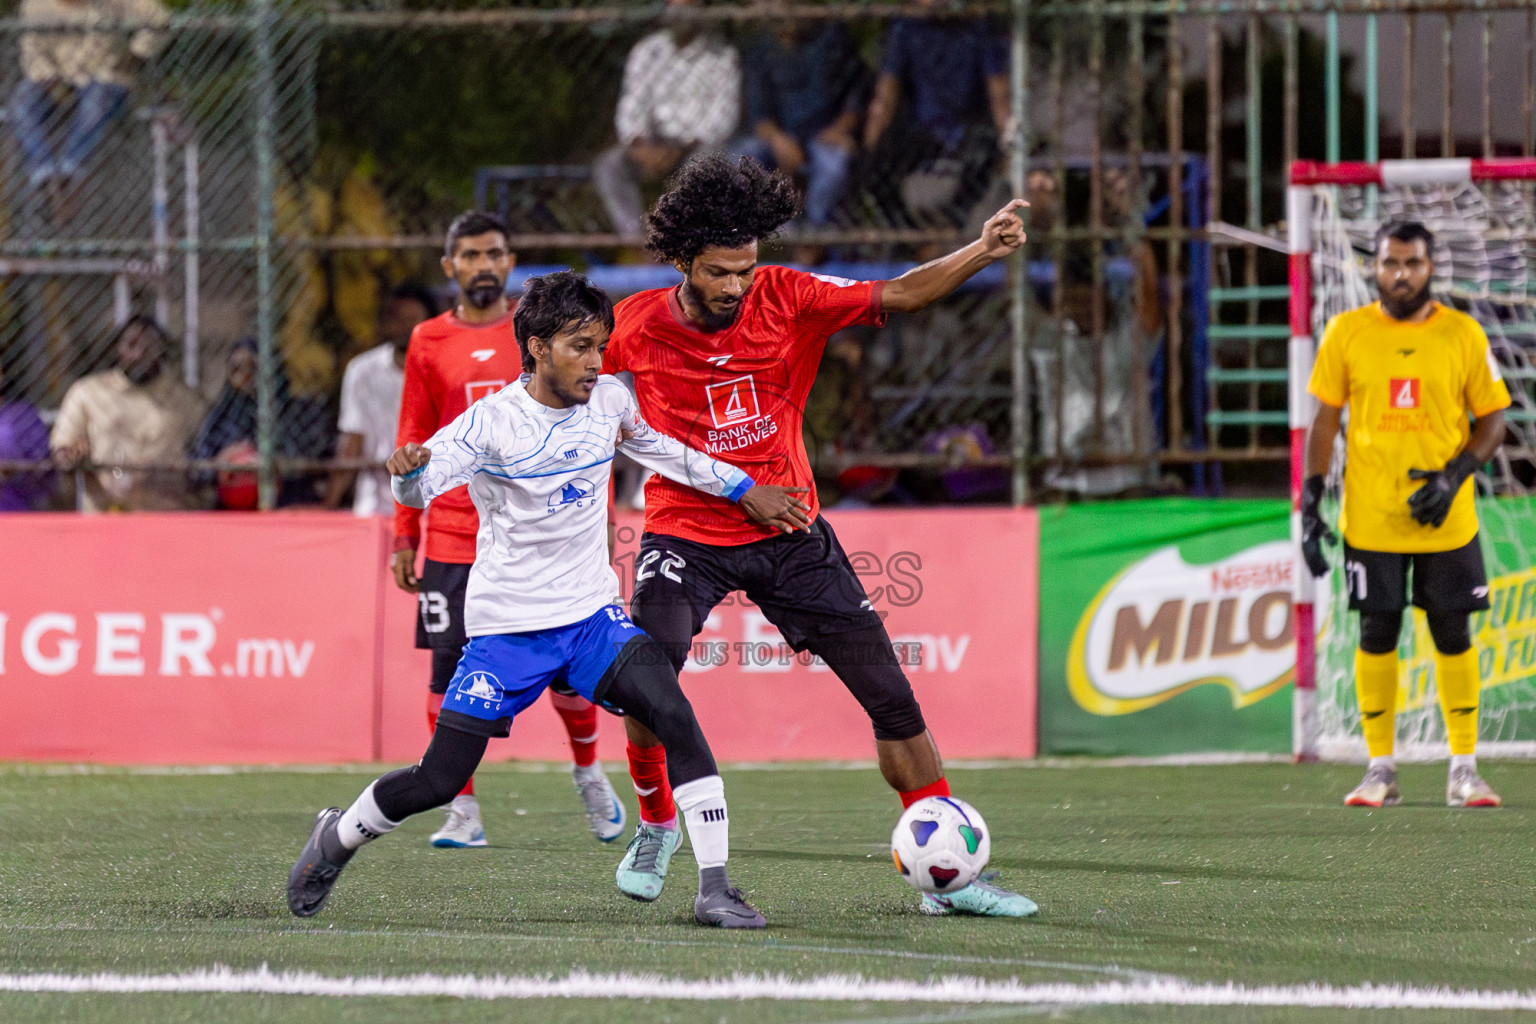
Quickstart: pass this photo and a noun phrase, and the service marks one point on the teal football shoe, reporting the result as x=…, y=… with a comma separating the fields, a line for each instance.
x=979, y=899
x=643, y=870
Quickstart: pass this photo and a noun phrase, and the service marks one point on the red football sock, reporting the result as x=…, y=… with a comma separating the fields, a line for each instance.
x=648, y=772
x=580, y=718
x=940, y=788
x=434, y=705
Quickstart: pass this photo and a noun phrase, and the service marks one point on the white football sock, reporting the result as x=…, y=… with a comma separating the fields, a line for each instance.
x=363, y=822
x=1464, y=761
x=587, y=772
x=1385, y=761
x=702, y=802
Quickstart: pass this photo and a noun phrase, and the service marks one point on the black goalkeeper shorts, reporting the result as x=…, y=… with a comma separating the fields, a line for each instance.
x=1443, y=581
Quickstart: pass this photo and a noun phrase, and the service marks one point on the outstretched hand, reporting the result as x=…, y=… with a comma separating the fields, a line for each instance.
x=1003, y=233
x=777, y=507
x=407, y=458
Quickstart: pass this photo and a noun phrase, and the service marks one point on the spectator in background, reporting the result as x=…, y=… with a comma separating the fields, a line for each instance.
x=681, y=92
x=370, y=403
x=953, y=72
x=132, y=415
x=23, y=438
x=805, y=91
x=228, y=434
x=82, y=72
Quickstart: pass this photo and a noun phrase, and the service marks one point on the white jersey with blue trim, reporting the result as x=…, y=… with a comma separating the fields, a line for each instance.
x=539, y=479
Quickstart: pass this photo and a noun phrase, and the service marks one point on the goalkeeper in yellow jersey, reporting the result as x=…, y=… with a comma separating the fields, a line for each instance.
x=1412, y=373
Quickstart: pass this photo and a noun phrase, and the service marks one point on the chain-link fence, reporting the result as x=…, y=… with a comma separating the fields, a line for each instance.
x=257, y=177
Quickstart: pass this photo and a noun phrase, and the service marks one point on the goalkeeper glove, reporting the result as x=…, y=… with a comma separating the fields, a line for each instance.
x=1313, y=530
x=1431, y=503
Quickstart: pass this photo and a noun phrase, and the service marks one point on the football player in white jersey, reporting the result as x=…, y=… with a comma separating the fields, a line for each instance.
x=539, y=606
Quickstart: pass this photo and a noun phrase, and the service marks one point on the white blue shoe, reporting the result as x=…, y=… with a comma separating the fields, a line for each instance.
x=979, y=899
x=643, y=871
x=605, y=814
x=463, y=826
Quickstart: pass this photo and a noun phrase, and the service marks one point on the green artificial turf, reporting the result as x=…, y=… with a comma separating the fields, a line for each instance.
x=1253, y=874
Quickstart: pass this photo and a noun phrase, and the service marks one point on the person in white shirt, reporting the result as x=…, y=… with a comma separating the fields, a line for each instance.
x=682, y=92
x=370, y=403
x=541, y=604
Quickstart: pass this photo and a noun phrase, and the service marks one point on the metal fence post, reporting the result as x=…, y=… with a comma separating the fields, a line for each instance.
x=263, y=19
x=1018, y=310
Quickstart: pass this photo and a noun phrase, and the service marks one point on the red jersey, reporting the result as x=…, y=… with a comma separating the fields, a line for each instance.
x=449, y=366
x=737, y=394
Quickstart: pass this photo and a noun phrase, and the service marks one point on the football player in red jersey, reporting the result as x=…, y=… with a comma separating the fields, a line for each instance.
x=453, y=361
x=723, y=362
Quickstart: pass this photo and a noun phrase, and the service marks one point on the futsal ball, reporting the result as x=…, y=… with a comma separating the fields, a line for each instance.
x=941, y=844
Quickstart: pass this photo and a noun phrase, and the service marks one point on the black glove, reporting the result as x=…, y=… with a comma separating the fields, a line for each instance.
x=1313, y=530
x=1431, y=503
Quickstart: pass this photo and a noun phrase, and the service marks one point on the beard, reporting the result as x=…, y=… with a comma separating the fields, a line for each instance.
x=142, y=373
x=1403, y=307
x=712, y=321
x=483, y=291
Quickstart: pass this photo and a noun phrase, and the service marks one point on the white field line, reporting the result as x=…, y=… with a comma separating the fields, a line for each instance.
x=772, y=947
x=827, y=988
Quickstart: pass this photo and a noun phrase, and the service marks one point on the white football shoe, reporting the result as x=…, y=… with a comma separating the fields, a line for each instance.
x=605, y=814
x=1377, y=789
x=1465, y=788
x=463, y=826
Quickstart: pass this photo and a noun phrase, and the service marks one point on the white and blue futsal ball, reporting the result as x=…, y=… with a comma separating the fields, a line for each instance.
x=941, y=844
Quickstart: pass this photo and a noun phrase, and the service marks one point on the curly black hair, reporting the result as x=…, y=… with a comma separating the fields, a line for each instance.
x=718, y=200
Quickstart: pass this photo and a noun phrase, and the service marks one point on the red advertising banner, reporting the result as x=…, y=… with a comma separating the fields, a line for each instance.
x=229, y=638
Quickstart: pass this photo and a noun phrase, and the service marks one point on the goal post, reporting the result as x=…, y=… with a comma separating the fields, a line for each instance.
x=1484, y=210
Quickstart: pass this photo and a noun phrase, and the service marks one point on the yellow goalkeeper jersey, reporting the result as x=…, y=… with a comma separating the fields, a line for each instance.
x=1409, y=388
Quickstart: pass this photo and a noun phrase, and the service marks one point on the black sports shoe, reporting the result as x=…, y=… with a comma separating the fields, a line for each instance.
x=313, y=877
x=727, y=908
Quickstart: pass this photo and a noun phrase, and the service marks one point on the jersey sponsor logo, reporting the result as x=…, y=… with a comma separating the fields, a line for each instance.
x=482, y=685
x=577, y=492
x=478, y=389
x=733, y=401
x=1164, y=626
x=574, y=453
x=719, y=360
x=839, y=282
x=481, y=355
x=1405, y=392
x=1406, y=352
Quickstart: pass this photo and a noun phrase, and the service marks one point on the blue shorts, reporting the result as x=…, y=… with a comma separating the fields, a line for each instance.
x=500, y=675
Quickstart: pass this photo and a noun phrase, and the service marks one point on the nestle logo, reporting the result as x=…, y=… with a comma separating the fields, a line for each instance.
x=1259, y=576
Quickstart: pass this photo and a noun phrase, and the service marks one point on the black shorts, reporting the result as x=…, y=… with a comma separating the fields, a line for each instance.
x=803, y=582
x=1443, y=581
x=440, y=605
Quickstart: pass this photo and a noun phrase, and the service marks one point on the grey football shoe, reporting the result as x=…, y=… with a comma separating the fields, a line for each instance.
x=313, y=875
x=727, y=908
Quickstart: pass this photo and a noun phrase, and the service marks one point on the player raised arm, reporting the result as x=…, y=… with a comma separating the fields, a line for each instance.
x=770, y=505
x=1001, y=236
x=420, y=472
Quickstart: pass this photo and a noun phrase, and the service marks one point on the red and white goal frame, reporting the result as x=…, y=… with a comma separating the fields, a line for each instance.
x=1304, y=175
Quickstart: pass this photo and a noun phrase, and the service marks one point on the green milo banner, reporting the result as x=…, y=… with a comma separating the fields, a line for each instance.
x=1165, y=627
